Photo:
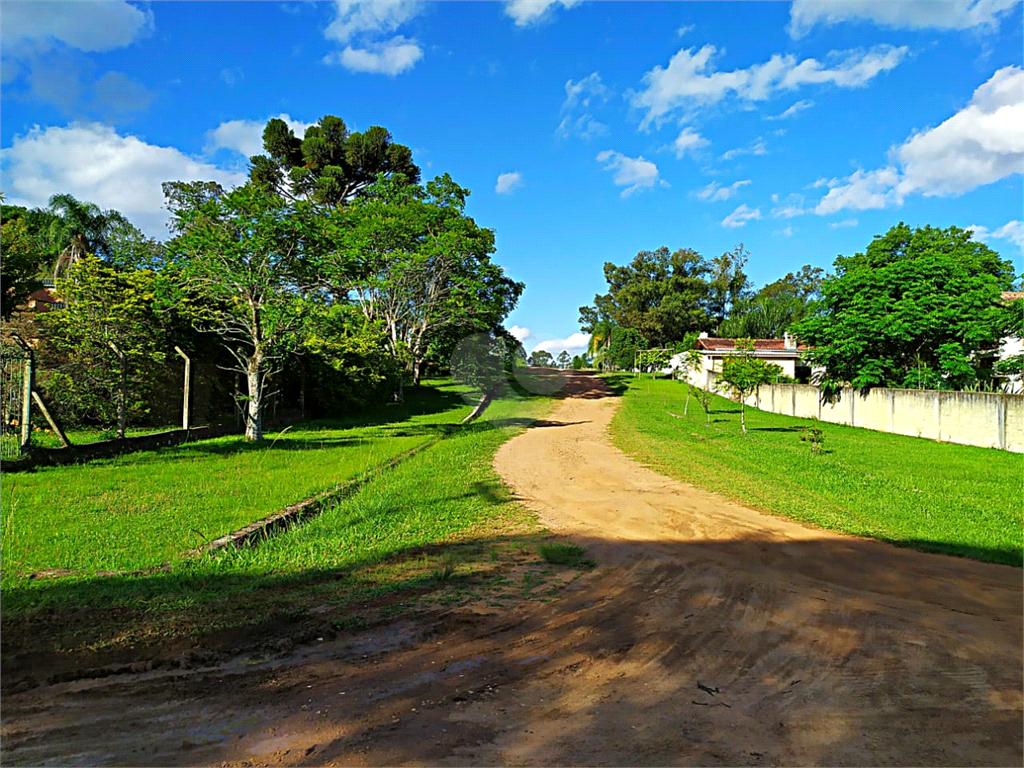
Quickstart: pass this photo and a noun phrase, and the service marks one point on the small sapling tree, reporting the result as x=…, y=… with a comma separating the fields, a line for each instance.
x=742, y=375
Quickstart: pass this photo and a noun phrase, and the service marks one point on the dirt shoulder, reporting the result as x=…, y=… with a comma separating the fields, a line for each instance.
x=708, y=634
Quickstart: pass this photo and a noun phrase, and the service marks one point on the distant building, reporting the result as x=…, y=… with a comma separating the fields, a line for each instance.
x=784, y=352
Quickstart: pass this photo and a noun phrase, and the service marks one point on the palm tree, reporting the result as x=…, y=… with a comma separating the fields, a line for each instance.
x=79, y=228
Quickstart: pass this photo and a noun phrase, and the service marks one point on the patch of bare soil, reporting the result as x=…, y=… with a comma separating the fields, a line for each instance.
x=708, y=634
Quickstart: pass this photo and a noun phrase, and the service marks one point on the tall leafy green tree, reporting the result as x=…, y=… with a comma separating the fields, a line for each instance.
x=660, y=294
x=330, y=165
x=727, y=284
x=416, y=264
x=920, y=308
x=247, y=253
x=21, y=257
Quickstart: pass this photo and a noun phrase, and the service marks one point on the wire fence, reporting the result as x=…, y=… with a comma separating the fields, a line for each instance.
x=12, y=392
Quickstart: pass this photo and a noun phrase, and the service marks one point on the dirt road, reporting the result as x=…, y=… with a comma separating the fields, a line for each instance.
x=709, y=634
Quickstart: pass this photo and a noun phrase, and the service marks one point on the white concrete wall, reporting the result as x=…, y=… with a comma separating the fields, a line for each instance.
x=986, y=419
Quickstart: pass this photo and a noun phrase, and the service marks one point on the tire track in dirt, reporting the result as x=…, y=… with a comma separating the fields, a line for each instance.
x=709, y=634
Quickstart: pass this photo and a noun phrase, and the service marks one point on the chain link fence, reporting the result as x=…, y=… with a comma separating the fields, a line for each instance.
x=13, y=369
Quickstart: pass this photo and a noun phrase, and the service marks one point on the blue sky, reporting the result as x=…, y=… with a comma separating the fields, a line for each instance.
x=587, y=131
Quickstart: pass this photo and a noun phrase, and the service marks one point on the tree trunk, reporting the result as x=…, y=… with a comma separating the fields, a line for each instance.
x=482, y=405
x=686, y=407
x=417, y=371
x=399, y=394
x=743, y=416
x=254, y=416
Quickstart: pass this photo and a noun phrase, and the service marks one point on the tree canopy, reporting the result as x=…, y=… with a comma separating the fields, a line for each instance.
x=920, y=308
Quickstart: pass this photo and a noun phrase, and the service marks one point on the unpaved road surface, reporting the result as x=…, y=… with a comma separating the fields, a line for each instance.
x=709, y=634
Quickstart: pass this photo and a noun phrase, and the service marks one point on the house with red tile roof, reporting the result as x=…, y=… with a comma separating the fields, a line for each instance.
x=784, y=352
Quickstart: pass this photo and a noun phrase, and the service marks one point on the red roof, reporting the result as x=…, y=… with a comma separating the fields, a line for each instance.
x=772, y=344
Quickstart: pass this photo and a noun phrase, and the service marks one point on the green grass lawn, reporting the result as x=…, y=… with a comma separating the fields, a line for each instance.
x=141, y=509
x=360, y=545
x=938, y=497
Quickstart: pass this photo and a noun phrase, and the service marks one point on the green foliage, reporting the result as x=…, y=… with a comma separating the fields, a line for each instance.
x=742, y=374
x=622, y=346
x=815, y=437
x=103, y=306
x=329, y=165
x=563, y=359
x=246, y=253
x=920, y=307
x=78, y=228
x=938, y=497
x=572, y=555
x=542, y=358
x=22, y=257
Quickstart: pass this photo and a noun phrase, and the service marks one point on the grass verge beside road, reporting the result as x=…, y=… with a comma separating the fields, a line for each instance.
x=937, y=497
x=440, y=519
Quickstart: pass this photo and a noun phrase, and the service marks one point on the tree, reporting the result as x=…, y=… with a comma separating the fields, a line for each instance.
x=919, y=308
x=484, y=361
x=579, y=362
x=101, y=349
x=775, y=308
x=541, y=359
x=728, y=284
x=330, y=165
x=662, y=295
x=244, y=252
x=624, y=343
x=563, y=359
x=20, y=259
x=742, y=375
x=79, y=228
x=414, y=262
x=690, y=360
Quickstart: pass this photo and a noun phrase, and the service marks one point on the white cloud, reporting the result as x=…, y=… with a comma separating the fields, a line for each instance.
x=786, y=231
x=508, y=183
x=685, y=30
x=756, y=147
x=714, y=193
x=1011, y=230
x=741, y=216
x=861, y=191
x=982, y=143
x=634, y=174
x=580, y=93
x=526, y=12
x=88, y=25
x=979, y=145
x=95, y=163
x=585, y=126
x=246, y=136
x=690, y=80
x=788, y=212
x=799, y=106
x=366, y=23
x=843, y=223
x=520, y=333
x=356, y=18
x=574, y=344
x=391, y=57
x=689, y=141
x=905, y=14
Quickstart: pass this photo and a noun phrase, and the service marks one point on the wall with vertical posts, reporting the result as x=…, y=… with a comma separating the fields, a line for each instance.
x=986, y=419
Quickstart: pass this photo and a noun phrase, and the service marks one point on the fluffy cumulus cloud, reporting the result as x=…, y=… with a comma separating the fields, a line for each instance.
x=520, y=333
x=527, y=12
x=508, y=183
x=575, y=344
x=905, y=14
x=633, y=173
x=741, y=216
x=1011, y=230
x=689, y=141
x=714, y=192
x=364, y=28
x=246, y=136
x=95, y=163
x=691, y=80
x=980, y=144
x=86, y=25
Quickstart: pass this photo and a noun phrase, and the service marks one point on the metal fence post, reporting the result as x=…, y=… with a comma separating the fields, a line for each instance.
x=26, y=403
x=185, y=419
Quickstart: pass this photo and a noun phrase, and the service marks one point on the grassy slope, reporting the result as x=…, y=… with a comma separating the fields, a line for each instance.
x=139, y=510
x=349, y=552
x=938, y=497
